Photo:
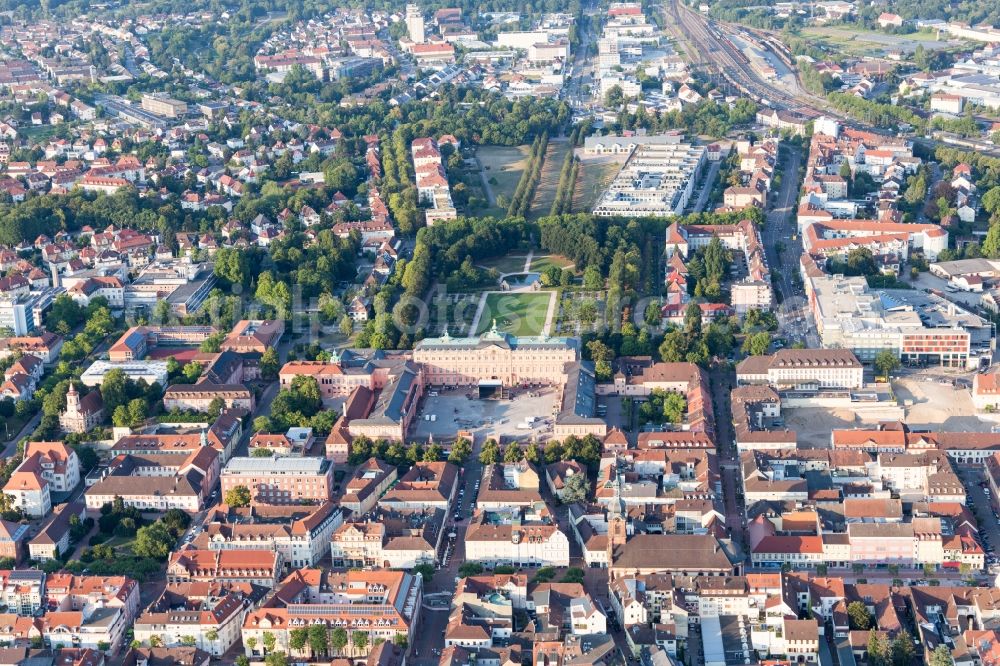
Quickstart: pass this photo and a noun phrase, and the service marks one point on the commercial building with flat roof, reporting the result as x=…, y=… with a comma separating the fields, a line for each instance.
x=164, y=106
x=918, y=327
x=149, y=371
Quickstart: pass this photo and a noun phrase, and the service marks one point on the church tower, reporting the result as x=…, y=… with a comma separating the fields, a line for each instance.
x=72, y=400
x=616, y=517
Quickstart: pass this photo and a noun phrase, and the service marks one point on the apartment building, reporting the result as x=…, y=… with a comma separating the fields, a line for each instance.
x=917, y=543
x=656, y=476
x=282, y=480
x=431, y=177
x=986, y=391
x=55, y=462
x=190, y=564
x=750, y=292
x=23, y=591
x=755, y=410
x=299, y=533
x=211, y=613
x=509, y=484
x=657, y=180
x=70, y=592
x=522, y=537
x=483, y=608
x=154, y=481
x=381, y=604
x=963, y=448
x=53, y=537
x=93, y=628
x=21, y=378
x=426, y=485
x=566, y=608
x=253, y=336
x=44, y=344
x=371, y=479
x=29, y=490
x=889, y=242
x=415, y=24
x=163, y=106
x=390, y=539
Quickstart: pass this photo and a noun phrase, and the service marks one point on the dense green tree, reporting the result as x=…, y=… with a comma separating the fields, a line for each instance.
x=238, y=496
x=941, y=656
x=490, y=452
x=460, y=451
x=338, y=639
x=991, y=244
x=886, y=362
x=576, y=489
x=513, y=453
x=153, y=541
x=757, y=344
x=901, y=649
x=674, y=347
x=858, y=616
x=470, y=569
x=269, y=363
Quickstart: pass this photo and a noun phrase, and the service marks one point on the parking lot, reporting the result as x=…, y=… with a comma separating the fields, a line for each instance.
x=461, y=409
x=979, y=502
x=965, y=298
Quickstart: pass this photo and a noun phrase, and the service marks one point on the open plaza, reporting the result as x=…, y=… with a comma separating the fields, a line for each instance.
x=501, y=418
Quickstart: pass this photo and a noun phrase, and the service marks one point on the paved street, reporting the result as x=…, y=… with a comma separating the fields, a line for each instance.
x=706, y=186
x=779, y=225
x=26, y=430
x=722, y=380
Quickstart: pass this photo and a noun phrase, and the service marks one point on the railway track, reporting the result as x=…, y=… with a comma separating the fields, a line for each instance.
x=710, y=46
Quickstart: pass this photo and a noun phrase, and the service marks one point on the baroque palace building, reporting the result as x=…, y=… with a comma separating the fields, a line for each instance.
x=495, y=359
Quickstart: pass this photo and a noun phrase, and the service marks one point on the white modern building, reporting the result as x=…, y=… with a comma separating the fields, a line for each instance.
x=657, y=180
x=149, y=371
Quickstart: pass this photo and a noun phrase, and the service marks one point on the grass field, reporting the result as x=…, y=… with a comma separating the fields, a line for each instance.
x=518, y=314
x=869, y=42
x=511, y=263
x=539, y=264
x=504, y=165
x=545, y=194
x=593, y=179
x=38, y=133
x=122, y=545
